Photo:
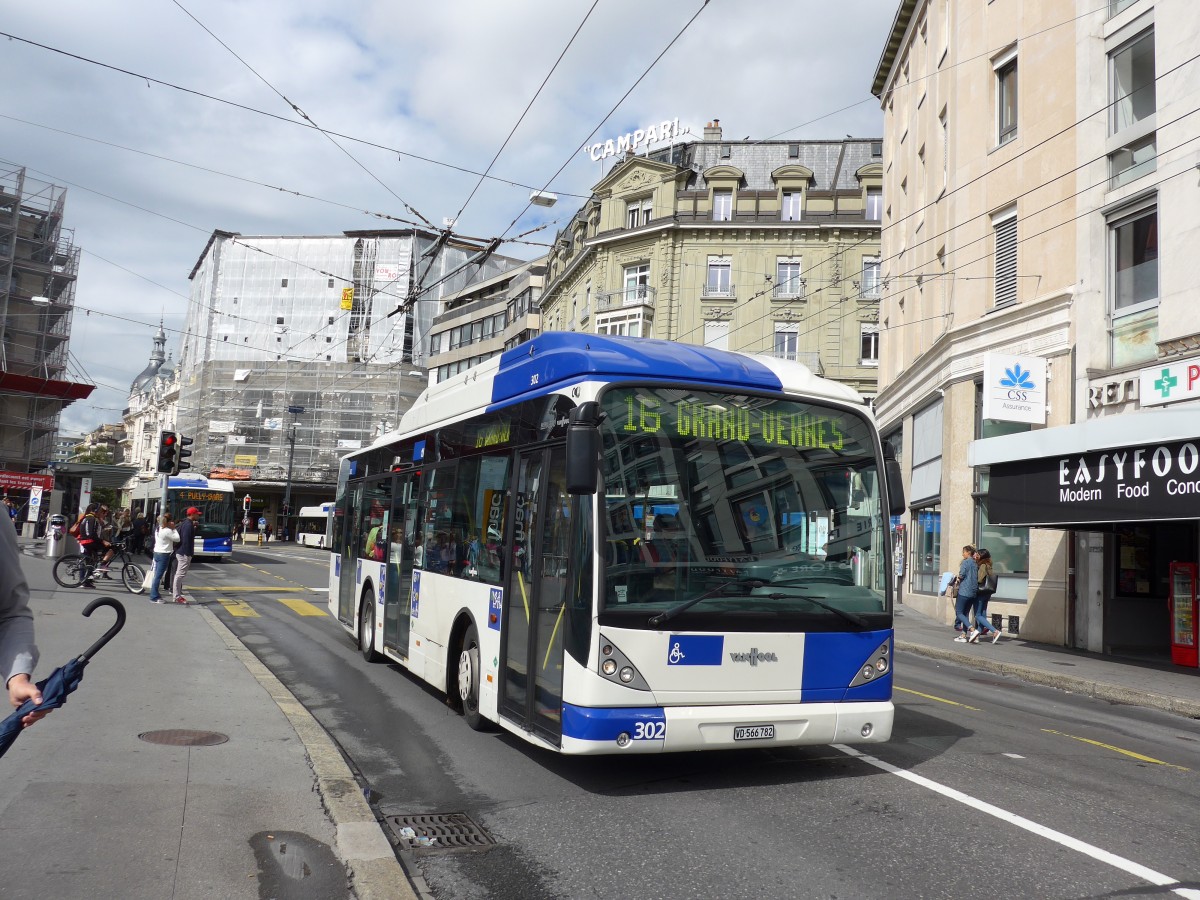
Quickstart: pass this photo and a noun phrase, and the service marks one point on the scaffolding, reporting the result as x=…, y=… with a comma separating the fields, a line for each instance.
x=311, y=341
x=39, y=264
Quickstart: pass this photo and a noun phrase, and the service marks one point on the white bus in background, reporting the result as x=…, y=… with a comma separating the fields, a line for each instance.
x=312, y=525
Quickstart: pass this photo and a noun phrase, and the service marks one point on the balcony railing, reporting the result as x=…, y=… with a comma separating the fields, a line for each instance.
x=718, y=291
x=792, y=289
x=642, y=295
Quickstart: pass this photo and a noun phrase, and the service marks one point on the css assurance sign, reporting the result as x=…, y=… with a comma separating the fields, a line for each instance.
x=1014, y=388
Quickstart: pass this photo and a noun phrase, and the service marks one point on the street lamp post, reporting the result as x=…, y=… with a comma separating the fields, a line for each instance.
x=287, y=491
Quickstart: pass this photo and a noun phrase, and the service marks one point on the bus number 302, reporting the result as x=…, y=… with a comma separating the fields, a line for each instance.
x=649, y=731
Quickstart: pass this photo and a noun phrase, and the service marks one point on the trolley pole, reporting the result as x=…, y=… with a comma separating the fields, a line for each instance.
x=287, y=490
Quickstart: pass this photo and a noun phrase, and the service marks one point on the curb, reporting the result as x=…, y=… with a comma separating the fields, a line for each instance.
x=375, y=871
x=1100, y=690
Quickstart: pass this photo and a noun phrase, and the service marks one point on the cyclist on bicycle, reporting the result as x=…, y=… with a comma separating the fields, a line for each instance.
x=96, y=549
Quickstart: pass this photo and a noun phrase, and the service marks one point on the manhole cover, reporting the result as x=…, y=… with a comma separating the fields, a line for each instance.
x=439, y=831
x=183, y=737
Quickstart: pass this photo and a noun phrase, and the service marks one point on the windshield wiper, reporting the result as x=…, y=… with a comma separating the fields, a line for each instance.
x=797, y=582
x=688, y=604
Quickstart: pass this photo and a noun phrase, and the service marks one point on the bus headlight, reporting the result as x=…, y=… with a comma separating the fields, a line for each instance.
x=616, y=666
x=626, y=675
x=877, y=665
x=868, y=672
x=609, y=666
x=881, y=664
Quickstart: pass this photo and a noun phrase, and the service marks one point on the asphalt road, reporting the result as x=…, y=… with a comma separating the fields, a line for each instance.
x=990, y=787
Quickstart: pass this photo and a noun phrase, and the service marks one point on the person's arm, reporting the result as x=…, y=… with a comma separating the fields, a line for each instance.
x=18, y=652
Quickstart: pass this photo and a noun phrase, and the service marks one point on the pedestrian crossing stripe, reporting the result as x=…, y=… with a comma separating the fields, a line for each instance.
x=242, y=609
x=238, y=608
x=302, y=607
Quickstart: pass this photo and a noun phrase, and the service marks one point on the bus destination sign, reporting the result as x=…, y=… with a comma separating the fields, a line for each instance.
x=720, y=421
x=202, y=496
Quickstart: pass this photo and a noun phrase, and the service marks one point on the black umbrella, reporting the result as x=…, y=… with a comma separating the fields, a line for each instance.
x=62, y=680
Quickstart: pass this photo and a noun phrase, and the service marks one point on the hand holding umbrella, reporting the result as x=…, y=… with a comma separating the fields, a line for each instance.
x=54, y=689
x=21, y=689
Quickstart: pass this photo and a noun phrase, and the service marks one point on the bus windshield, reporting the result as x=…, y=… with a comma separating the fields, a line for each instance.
x=723, y=506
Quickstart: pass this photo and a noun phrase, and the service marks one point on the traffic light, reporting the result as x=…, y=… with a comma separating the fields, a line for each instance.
x=181, y=454
x=246, y=503
x=285, y=510
x=167, y=443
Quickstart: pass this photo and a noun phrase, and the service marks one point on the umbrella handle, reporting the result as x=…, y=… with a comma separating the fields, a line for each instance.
x=116, y=626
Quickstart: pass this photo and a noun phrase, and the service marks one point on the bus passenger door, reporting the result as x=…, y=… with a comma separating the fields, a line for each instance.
x=534, y=599
x=347, y=583
x=397, y=608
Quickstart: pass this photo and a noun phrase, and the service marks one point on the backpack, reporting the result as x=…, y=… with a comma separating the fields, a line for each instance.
x=73, y=531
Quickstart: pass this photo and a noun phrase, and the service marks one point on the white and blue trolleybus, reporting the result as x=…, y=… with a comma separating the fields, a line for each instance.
x=623, y=545
x=312, y=525
x=215, y=499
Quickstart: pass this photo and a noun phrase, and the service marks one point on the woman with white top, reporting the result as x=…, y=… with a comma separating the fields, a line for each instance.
x=165, y=540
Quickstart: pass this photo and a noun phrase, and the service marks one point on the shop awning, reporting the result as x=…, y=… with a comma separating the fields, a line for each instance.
x=1138, y=467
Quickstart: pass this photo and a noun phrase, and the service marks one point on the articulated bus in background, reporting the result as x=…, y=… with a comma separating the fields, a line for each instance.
x=312, y=525
x=622, y=545
x=219, y=508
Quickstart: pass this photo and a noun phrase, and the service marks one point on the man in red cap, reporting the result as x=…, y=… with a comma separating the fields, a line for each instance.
x=184, y=551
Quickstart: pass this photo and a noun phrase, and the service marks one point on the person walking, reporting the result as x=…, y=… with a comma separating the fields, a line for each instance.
x=968, y=590
x=986, y=587
x=184, y=552
x=165, y=541
x=18, y=652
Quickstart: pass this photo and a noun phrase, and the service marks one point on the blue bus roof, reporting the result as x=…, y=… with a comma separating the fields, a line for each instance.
x=557, y=358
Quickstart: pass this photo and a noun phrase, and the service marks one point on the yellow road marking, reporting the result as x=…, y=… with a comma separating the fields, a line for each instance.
x=247, y=588
x=938, y=699
x=1149, y=759
x=303, y=607
x=238, y=608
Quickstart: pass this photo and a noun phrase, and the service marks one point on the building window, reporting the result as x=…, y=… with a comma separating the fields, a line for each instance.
x=874, y=205
x=1133, y=252
x=719, y=283
x=283, y=282
x=926, y=549
x=793, y=151
x=630, y=324
x=722, y=206
x=870, y=276
x=943, y=125
x=787, y=338
x=716, y=335
x=877, y=148
x=1132, y=106
x=869, y=345
x=788, y=282
x=1004, y=229
x=1006, y=98
x=637, y=281
x=637, y=212
x=793, y=204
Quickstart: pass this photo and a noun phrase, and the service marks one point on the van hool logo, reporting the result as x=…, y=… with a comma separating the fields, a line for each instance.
x=754, y=657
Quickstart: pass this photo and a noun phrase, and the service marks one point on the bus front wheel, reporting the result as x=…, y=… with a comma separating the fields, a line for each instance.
x=366, y=627
x=468, y=679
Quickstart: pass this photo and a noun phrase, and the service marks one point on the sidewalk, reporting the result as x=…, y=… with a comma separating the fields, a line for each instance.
x=90, y=809
x=1118, y=680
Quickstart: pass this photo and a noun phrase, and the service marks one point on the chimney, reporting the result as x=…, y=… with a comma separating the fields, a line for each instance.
x=712, y=131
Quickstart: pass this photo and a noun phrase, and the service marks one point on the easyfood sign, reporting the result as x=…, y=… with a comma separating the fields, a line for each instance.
x=1125, y=484
x=1169, y=383
x=1014, y=388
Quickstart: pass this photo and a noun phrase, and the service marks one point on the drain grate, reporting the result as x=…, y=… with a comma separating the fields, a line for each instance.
x=183, y=737
x=439, y=832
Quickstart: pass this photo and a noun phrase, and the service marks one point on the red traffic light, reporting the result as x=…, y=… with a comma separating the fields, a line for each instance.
x=168, y=440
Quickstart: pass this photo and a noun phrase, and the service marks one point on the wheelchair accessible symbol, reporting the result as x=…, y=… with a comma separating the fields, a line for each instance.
x=676, y=655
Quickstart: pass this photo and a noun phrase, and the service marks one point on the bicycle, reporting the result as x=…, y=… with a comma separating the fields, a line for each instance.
x=76, y=569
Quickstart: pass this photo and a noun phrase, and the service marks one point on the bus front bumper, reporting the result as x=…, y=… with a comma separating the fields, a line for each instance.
x=589, y=730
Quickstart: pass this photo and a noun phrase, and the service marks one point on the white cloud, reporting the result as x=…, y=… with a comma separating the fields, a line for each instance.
x=443, y=80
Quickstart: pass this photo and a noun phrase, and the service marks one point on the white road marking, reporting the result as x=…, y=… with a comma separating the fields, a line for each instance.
x=319, y=590
x=1119, y=862
x=1014, y=755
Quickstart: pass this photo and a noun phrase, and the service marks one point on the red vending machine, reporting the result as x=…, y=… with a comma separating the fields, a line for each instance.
x=1184, y=648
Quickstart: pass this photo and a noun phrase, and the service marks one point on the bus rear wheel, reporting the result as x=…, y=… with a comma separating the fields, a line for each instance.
x=468, y=679
x=366, y=627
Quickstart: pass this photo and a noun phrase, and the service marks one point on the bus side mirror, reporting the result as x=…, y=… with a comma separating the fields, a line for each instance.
x=895, y=486
x=583, y=448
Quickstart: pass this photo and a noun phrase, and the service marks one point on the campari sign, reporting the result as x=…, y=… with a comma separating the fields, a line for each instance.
x=1014, y=388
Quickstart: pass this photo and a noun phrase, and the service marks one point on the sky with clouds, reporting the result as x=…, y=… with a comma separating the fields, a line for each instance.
x=151, y=170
